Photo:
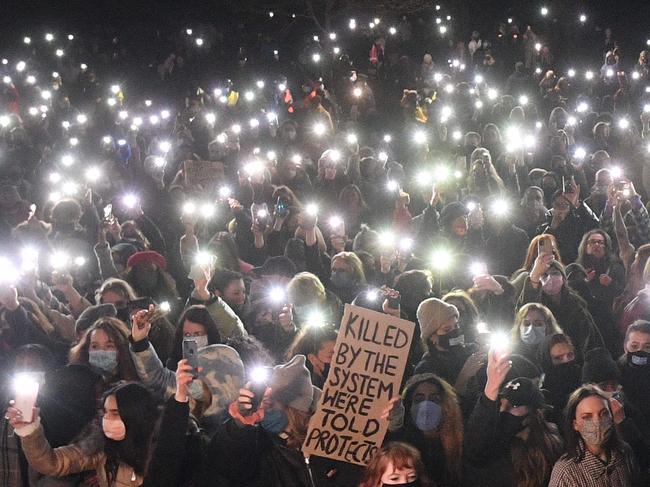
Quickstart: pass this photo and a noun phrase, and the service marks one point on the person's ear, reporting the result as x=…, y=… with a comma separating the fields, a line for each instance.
x=575, y=425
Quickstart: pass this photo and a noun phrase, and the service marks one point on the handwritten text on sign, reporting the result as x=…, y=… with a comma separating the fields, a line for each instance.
x=366, y=371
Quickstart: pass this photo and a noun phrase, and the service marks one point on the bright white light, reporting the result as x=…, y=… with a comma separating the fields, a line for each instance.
x=154, y=119
x=392, y=186
x=79, y=261
x=616, y=172
x=635, y=75
x=67, y=160
x=115, y=89
x=130, y=200
x=500, y=207
x=443, y=29
x=249, y=96
x=189, y=32
x=20, y=66
x=387, y=138
x=478, y=269
x=420, y=137
x=203, y=258
x=123, y=115
x=70, y=37
x=571, y=72
x=609, y=73
x=312, y=209
x=583, y=18
x=352, y=24
x=49, y=37
x=4, y=121
x=121, y=142
x=46, y=95
x=164, y=114
x=225, y=192
x=93, y=174
x=207, y=210
x=31, y=79
x=499, y=341
x=254, y=123
x=352, y=138
x=441, y=259
x=544, y=11
x=199, y=41
x=210, y=118
x=319, y=129
x=382, y=156
x=392, y=31
x=589, y=75
x=478, y=79
x=236, y=128
x=624, y=124
x=81, y=118
x=492, y=94
x=27, y=40
x=582, y=107
x=580, y=153
x=74, y=141
x=165, y=307
x=523, y=100
x=478, y=104
x=165, y=146
x=357, y=92
x=316, y=57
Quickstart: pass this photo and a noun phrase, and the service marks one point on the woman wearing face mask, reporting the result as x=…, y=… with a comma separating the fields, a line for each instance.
x=396, y=464
x=507, y=440
x=347, y=278
x=105, y=348
x=317, y=344
x=433, y=424
x=533, y=323
x=442, y=339
x=119, y=293
x=562, y=372
x=195, y=324
x=546, y=284
x=594, y=454
x=117, y=448
x=262, y=446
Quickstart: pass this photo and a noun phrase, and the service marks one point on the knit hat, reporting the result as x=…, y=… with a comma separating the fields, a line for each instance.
x=92, y=314
x=450, y=212
x=291, y=384
x=150, y=256
x=522, y=391
x=599, y=367
x=431, y=314
x=223, y=373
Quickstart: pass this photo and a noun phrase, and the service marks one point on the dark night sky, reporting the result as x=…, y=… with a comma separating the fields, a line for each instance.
x=627, y=16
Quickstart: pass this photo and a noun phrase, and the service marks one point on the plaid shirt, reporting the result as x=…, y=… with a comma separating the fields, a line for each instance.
x=636, y=220
x=591, y=471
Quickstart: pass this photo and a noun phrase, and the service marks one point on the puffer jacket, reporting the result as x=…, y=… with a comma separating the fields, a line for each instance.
x=70, y=459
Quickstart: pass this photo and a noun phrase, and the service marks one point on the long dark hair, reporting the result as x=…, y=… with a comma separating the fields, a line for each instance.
x=586, y=260
x=534, y=457
x=138, y=411
x=574, y=445
x=196, y=314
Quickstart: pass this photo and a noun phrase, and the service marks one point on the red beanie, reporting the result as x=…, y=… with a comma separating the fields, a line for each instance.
x=147, y=256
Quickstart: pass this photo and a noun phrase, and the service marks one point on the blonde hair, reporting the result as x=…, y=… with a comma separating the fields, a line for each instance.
x=118, y=286
x=352, y=260
x=551, y=323
x=304, y=287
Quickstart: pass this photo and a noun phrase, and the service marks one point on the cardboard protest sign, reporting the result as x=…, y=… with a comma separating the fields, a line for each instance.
x=369, y=359
x=202, y=172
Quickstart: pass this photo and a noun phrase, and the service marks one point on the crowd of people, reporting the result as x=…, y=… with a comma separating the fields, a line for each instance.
x=162, y=251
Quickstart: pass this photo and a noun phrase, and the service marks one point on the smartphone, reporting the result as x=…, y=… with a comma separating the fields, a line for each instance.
x=394, y=301
x=25, y=394
x=140, y=303
x=260, y=214
x=257, y=388
x=191, y=354
x=281, y=208
x=544, y=246
x=108, y=214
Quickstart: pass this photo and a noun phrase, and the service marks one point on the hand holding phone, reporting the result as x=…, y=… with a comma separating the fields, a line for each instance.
x=191, y=354
x=25, y=394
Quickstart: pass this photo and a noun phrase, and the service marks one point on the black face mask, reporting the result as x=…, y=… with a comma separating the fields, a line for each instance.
x=510, y=424
x=415, y=483
x=453, y=339
x=563, y=379
x=638, y=359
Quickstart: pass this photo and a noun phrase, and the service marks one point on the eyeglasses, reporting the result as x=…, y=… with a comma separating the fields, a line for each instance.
x=595, y=242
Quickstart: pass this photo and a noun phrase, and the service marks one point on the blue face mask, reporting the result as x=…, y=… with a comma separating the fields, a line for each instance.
x=275, y=421
x=104, y=360
x=426, y=415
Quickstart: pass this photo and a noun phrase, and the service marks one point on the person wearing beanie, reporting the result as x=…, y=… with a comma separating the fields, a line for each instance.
x=442, y=339
x=261, y=446
x=91, y=314
x=147, y=273
x=547, y=284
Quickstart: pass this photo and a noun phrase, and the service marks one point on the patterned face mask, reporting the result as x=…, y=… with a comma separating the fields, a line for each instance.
x=596, y=432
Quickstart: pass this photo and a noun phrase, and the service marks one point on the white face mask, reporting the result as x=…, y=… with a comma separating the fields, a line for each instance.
x=114, y=429
x=532, y=335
